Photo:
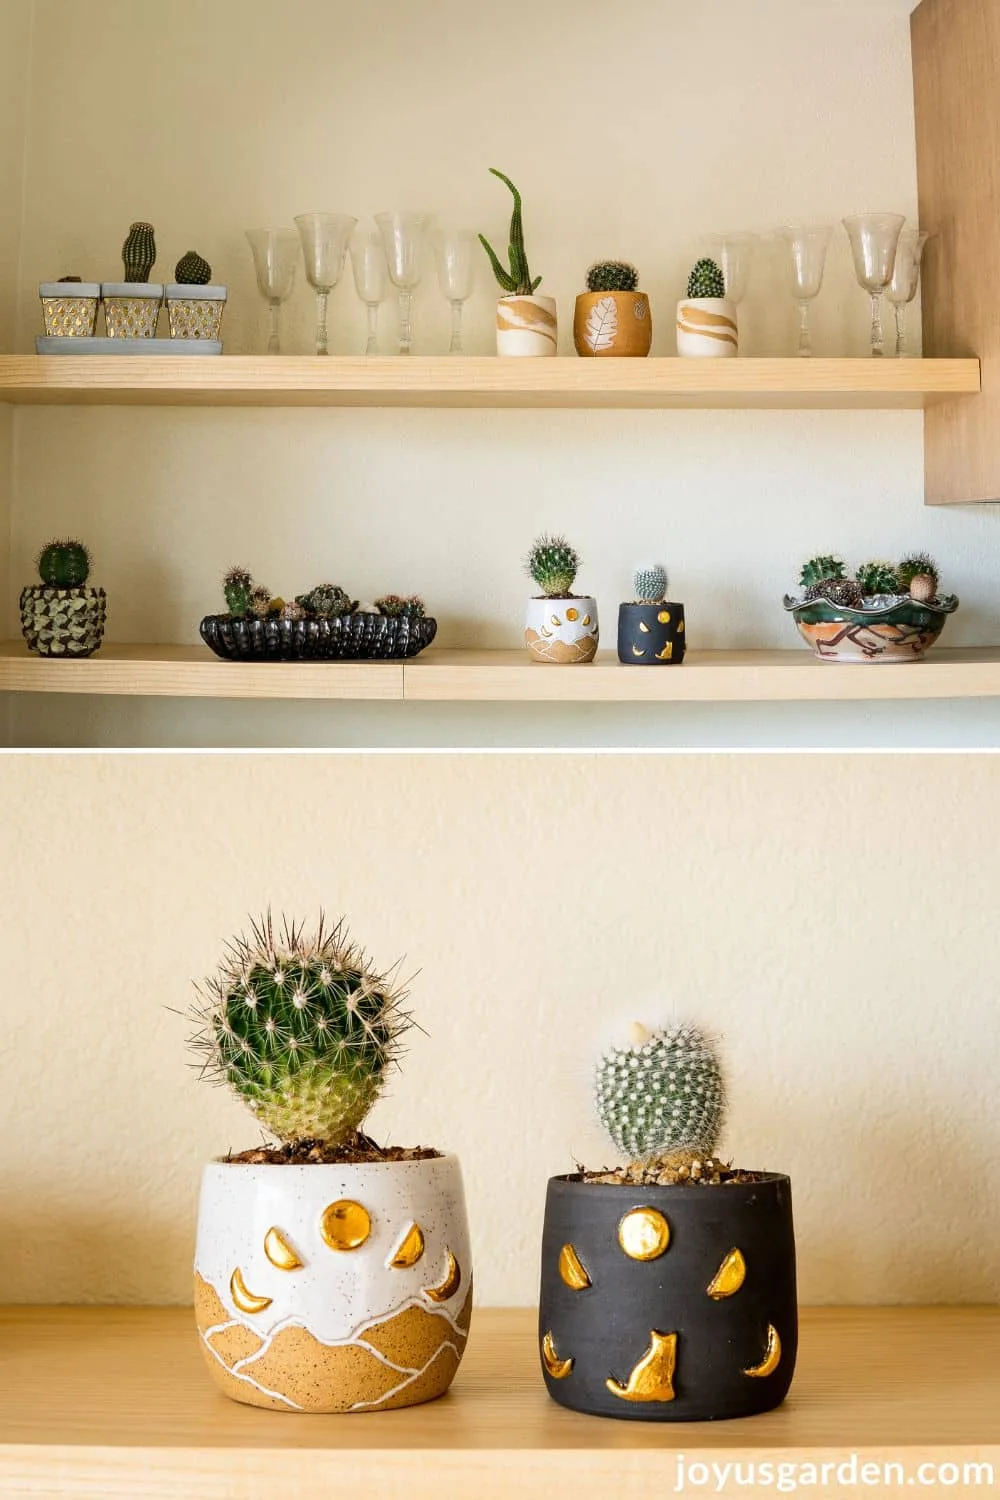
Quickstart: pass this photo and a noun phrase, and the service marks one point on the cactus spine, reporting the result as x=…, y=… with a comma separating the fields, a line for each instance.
x=706, y=280
x=327, y=600
x=878, y=578
x=64, y=565
x=918, y=576
x=612, y=276
x=139, y=252
x=553, y=564
x=821, y=569
x=663, y=1096
x=650, y=585
x=517, y=281
x=238, y=588
x=192, y=270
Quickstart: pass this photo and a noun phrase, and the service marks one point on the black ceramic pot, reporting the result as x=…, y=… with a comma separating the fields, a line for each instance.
x=651, y=635
x=342, y=638
x=703, y=1326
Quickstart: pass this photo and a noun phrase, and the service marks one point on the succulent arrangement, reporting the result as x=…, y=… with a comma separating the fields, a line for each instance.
x=553, y=564
x=139, y=252
x=706, y=280
x=248, y=599
x=894, y=611
x=517, y=281
x=826, y=577
x=62, y=615
x=612, y=276
x=192, y=270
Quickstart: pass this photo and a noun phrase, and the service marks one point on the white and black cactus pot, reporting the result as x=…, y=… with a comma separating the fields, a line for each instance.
x=668, y=1304
x=651, y=635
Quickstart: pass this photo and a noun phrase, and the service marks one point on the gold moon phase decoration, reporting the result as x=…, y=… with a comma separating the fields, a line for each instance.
x=450, y=1284
x=571, y=1269
x=554, y=1366
x=243, y=1298
x=279, y=1252
x=653, y=1377
x=636, y=651
x=643, y=627
x=572, y=614
x=345, y=1224
x=586, y=619
x=410, y=1250
x=664, y=617
x=644, y=1234
x=729, y=1277
x=771, y=1359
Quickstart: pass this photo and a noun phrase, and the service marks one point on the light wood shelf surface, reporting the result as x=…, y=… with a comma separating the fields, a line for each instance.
x=453, y=676
x=115, y=1402
x=239, y=380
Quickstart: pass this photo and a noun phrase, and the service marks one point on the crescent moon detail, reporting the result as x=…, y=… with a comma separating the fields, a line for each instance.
x=653, y=1377
x=555, y=1367
x=410, y=1250
x=450, y=1284
x=243, y=1298
x=572, y=1269
x=771, y=1359
x=729, y=1277
x=279, y=1252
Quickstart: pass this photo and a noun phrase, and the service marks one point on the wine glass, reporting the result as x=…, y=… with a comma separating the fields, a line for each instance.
x=324, y=244
x=874, y=241
x=275, y=257
x=906, y=281
x=403, y=238
x=807, y=246
x=734, y=253
x=371, y=277
x=456, y=254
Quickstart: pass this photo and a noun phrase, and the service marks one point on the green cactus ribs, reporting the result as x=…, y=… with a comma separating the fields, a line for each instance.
x=192, y=270
x=612, y=276
x=139, y=252
x=877, y=578
x=64, y=565
x=553, y=564
x=238, y=587
x=663, y=1097
x=706, y=280
x=518, y=280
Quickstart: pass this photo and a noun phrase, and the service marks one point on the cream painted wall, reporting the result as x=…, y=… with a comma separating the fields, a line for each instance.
x=543, y=900
x=622, y=146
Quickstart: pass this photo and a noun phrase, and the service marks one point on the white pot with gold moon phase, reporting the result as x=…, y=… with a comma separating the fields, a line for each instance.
x=527, y=326
x=563, y=631
x=707, y=328
x=333, y=1288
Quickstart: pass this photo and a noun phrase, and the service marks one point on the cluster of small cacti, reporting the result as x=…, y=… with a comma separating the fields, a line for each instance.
x=139, y=252
x=398, y=607
x=64, y=565
x=650, y=585
x=518, y=280
x=706, y=280
x=663, y=1096
x=553, y=564
x=192, y=270
x=826, y=577
x=327, y=601
x=302, y=1027
x=612, y=276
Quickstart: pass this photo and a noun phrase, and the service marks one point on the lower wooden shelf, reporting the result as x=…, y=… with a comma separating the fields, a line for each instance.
x=115, y=1403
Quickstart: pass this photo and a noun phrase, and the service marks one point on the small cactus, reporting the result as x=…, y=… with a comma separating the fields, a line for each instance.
x=302, y=1028
x=820, y=569
x=260, y=602
x=553, y=564
x=612, y=276
x=293, y=611
x=517, y=281
x=878, y=578
x=399, y=608
x=192, y=270
x=843, y=592
x=139, y=252
x=706, y=280
x=238, y=588
x=327, y=600
x=918, y=577
x=662, y=1096
x=64, y=565
x=650, y=585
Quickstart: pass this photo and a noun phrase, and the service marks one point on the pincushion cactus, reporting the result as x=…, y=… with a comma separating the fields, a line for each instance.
x=518, y=280
x=878, y=578
x=64, y=565
x=397, y=607
x=302, y=1028
x=553, y=564
x=706, y=280
x=192, y=270
x=139, y=252
x=650, y=585
x=918, y=576
x=327, y=600
x=663, y=1096
x=612, y=276
x=238, y=587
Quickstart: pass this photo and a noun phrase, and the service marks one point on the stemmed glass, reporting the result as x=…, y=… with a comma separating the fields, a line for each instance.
x=275, y=257
x=324, y=244
x=734, y=253
x=906, y=281
x=807, y=246
x=371, y=277
x=874, y=241
x=456, y=254
x=403, y=238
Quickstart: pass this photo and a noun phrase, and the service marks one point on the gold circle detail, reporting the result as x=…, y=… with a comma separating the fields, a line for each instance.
x=644, y=1234
x=345, y=1225
x=664, y=617
x=572, y=614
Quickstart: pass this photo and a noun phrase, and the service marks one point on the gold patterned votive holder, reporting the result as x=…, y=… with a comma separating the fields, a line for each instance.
x=195, y=312
x=131, y=308
x=69, y=308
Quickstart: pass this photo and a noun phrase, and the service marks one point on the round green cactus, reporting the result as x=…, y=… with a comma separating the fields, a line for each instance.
x=662, y=1096
x=821, y=569
x=553, y=564
x=327, y=600
x=64, y=565
x=650, y=584
x=238, y=587
x=139, y=252
x=612, y=276
x=192, y=270
x=706, y=280
x=302, y=1027
x=918, y=575
x=878, y=578
x=399, y=608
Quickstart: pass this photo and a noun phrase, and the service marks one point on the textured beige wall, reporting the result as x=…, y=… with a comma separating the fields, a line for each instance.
x=833, y=917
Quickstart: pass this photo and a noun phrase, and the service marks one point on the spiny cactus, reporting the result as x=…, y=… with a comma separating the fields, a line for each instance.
x=878, y=578
x=553, y=564
x=517, y=281
x=64, y=565
x=302, y=1027
x=327, y=600
x=820, y=569
x=238, y=587
x=397, y=607
x=192, y=270
x=706, y=280
x=662, y=1096
x=650, y=584
x=260, y=601
x=293, y=611
x=139, y=252
x=843, y=592
x=612, y=276
x=918, y=577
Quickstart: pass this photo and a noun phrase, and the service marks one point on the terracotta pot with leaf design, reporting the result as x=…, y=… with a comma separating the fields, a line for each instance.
x=612, y=319
x=560, y=627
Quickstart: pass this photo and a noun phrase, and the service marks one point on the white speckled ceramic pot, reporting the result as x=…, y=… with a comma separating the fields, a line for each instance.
x=333, y=1288
x=562, y=631
x=707, y=328
x=527, y=326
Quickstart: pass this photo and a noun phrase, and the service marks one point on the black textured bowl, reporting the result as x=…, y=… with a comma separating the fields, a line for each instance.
x=604, y=1330
x=343, y=638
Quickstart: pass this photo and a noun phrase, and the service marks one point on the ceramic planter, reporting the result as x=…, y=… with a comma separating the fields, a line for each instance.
x=63, y=622
x=333, y=1288
x=668, y=1304
x=899, y=630
x=131, y=308
x=651, y=635
x=563, y=631
x=69, y=308
x=707, y=328
x=527, y=326
x=195, y=312
x=612, y=325
x=357, y=637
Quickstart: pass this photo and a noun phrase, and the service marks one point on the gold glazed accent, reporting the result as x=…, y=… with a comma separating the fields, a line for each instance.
x=643, y=627
x=680, y=627
x=771, y=1359
x=636, y=651
x=644, y=1234
x=556, y=620
x=449, y=1286
x=70, y=317
x=557, y=1368
x=279, y=1252
x=243, y=1298
x=664, y=617
x=653, y=1377
x=195, y=318
x=131, y=317
x=571, y=1269
x=586, y=619
x=345, y=1225
x=410, y=1250
x=572, y=614
x=707, y=325
x=729, y=1277
x=667, y=654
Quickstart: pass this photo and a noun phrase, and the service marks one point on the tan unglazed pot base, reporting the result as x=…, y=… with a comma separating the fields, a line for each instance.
x=612, y=325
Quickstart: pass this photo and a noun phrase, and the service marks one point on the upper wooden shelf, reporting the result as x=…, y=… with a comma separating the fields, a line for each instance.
x=115, y=1402
x=474, y=381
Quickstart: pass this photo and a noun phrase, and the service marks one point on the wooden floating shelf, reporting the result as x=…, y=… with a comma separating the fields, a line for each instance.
x=444, y=676
x=116, y=1403
x=238, y=380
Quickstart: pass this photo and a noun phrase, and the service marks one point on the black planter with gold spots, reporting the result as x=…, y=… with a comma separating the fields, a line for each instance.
x=668, y=1304
x=651, y=635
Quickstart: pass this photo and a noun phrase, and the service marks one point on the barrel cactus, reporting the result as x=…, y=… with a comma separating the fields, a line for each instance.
x=663, y=1095
x=518, y=280
x=64, y=565
x=326, y=600
x=820, y=569
x=878, y=578
x=302, y=1027
x=612, y=276
x=650, y=585
x=553, y=564
x=918, y=576
x=238, y=587
x=706, y=280
x=139, y=252
x=192, y=270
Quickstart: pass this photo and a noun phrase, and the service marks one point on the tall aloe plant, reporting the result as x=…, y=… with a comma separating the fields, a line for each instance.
x=517, y=281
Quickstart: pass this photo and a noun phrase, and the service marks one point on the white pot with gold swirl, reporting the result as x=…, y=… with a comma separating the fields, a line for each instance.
x=707, y=328
x=562, y=631
x=527, y=326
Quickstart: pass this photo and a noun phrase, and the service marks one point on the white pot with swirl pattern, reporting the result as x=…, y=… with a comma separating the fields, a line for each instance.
x=527, y=326
x=562, y=631
x=707, y=328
